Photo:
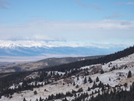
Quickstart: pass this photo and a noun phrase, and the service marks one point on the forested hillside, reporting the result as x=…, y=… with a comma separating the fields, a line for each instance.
x=108, y=78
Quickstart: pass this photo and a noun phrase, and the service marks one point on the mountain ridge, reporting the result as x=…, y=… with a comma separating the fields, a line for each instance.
x=56, y=51
x=54, y=47
x=101, y=60
x=20, y=66
x=54, y=43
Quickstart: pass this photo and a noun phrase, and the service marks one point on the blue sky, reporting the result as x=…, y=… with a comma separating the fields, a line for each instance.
x=92, y=21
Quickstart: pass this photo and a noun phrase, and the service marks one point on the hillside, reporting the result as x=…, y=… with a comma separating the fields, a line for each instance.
x=20, y=66
x=109, y=78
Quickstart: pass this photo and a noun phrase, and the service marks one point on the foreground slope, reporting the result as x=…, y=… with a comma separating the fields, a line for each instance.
x=111, y=79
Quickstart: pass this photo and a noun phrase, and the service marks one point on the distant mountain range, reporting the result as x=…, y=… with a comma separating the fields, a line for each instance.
x=13, y=51
x=44, y=51
x=54, y=48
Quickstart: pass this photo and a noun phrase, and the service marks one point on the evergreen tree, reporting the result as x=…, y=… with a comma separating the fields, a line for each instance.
x=65, y=99
x=40, y=99
x=36, y=99
x=88, y=89
x=129, y=74
x=97, y=79
x=100, y=84
x=90, y=80
x=74, y=84
x=77, y=78
x=77, y=86
x=102, y=71
x=24, y=99
x=80, y=90
x=94, y=85
x=125, y=85
x=35, y=92
x=85, y=80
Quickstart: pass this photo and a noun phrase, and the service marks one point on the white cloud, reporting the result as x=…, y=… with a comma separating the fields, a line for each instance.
x=119, y=3
x=130, y=3
x=115, y=15
x=100, y=31
x=2, y=4
x=80, y=3
x=96, y=7
x=37, y=16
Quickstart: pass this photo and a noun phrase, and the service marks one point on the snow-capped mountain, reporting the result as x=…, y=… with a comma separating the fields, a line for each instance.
x=54, y=43
x=104, y=80
x=54, y=48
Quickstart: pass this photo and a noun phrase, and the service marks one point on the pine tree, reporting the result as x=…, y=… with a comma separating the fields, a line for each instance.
x=102, y=71
x=24, y=99
x=97, y=79
x=100, y=84
x=77, y=86
x=90, y=80
x=40, y=99
x=125, y=85
x=129, y=74
x=74, y=84
x=88, y=89
x=85, y=80
x=35, y=92
x=77, y=78
x=94, y=85
x=36, y=99
x=80, y=90
x=65, y=99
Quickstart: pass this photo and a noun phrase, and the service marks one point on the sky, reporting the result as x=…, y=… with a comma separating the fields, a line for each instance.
x=89, y=21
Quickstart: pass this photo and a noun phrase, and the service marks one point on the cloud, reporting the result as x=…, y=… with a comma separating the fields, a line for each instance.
x=125, y=23
x=119, y=3
x=80, y=3
x=96, y=7
x=2, y=22
x=37, y=16
x=130, y=3
x=2, y=4
x=115, y=15
x=102, y=31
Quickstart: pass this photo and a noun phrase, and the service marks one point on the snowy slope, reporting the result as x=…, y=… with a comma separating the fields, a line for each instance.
x=117, y=76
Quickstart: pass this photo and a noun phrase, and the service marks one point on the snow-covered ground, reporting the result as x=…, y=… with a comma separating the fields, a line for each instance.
x=118, y=76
